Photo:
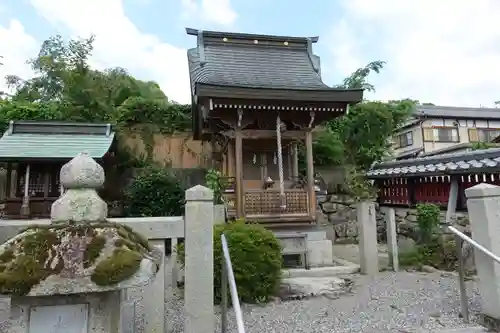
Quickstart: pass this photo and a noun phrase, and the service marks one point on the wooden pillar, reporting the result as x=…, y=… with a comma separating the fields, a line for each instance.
x=289, y=162
x=310, y=174
x=25, y=207
x=295, y=164
x=238, y=136
x=231, y=162
x=46, y=180
x=8, y=182
x=263, y=167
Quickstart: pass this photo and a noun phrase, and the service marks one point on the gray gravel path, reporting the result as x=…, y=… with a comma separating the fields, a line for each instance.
x=391, y=302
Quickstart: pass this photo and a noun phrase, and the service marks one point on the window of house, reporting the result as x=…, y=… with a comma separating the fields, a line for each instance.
x=441, y=134
x=483, y=134
x=405, y=139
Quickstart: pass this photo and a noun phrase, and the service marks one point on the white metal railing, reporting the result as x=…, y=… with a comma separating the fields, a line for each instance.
x=460, y=238
x=228, y=277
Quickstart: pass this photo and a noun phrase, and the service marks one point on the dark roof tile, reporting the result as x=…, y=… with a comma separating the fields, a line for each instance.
x=457, y=112
x=267, y=65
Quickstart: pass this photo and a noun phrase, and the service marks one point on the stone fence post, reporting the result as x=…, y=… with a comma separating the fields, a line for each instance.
x=368, y=251
x=199, y=263
x=483, y=204
x=392, y=238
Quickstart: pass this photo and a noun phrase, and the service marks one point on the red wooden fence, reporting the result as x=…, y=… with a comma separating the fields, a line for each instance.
x=428, y=189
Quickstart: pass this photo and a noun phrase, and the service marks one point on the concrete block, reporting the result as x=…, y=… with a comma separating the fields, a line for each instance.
x=320, y=253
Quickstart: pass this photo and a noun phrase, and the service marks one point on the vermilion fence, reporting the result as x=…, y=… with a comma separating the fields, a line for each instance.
x=410, y=191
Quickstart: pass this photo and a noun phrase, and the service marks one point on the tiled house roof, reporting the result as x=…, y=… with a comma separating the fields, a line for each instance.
x=485, y=160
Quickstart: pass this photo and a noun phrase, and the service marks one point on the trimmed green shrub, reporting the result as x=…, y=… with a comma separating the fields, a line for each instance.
x=154, y=191
x=256, y=259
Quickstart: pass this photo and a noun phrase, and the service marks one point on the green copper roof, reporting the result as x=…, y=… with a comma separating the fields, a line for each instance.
x=44, y=140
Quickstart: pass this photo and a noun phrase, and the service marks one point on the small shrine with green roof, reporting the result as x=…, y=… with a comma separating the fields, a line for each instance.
x=34, y=152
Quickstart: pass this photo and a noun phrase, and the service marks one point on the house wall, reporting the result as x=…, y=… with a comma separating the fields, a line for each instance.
x=417, y=139
x=462, y=125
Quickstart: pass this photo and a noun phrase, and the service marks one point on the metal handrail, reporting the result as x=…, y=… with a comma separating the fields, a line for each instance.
x=228, y=276
x=460, y=238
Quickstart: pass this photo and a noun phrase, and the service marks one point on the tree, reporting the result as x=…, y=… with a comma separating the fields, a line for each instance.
x=361, y=137
x=358, y=79
x=65, y=87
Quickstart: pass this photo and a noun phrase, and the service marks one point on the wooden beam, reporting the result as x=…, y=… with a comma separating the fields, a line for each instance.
x=265, y=134
x=310, y=174
x=239, y=172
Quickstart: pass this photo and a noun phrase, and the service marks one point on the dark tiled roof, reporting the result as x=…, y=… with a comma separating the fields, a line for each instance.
x=457, y=112
x=239, y=62
x=485, y=160
x=408, y=153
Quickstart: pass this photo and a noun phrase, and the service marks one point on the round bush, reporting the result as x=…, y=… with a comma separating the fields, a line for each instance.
x=256, y=259
x=154, y=192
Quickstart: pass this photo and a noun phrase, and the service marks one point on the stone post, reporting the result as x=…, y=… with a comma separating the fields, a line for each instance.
x=368, y=251
x=199, y=263
x=483, y=204
x=154, y=306
x=392, y=242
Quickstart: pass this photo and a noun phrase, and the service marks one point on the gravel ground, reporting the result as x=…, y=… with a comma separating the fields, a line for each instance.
x=391, y=302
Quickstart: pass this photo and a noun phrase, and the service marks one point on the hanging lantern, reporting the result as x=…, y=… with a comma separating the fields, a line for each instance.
x=254, y=160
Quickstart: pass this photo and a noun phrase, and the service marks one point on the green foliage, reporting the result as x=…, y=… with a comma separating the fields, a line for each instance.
x=256, y=259
x=358, y=79
x=361, y=137
x=367, y=129
x=328, y=149
x=66, y=88
x=357, y=186
x=439, y=253
x=427, y=221
x=483, y=145
x=154, y=191
x=432, y=249
x=167, y=117
x=216, y=183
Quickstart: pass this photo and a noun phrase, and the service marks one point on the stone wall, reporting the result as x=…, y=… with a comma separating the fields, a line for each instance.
x=340, y=211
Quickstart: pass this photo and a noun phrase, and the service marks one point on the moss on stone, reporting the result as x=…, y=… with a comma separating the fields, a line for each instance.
x=122, y=242
x=122, y=265
x=129, y=234
x=7, y=255
x=40, y=244
x=29, y=260
x=93, y=250
x=30, y=267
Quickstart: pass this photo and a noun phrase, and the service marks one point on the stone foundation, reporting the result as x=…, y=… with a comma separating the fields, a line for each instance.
x=319, y=247
x=339, y=212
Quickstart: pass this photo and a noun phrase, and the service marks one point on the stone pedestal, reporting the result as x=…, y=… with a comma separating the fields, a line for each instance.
x=66, y=276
